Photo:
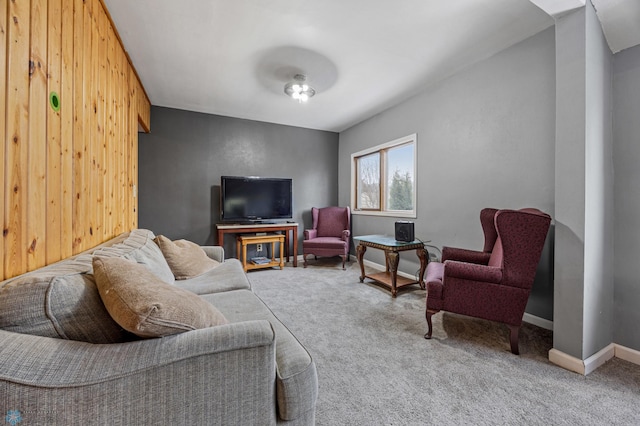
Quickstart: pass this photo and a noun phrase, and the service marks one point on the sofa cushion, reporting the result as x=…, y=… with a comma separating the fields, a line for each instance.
x=227, y=276
x=61, y=301
x=296, y=381
x=147, y=306
x=185, y=258
x=140, y=247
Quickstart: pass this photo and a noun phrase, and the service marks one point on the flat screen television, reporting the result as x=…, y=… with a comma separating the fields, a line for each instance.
x=249, y=199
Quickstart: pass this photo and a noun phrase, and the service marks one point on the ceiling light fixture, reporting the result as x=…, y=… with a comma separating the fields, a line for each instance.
x=298, y=89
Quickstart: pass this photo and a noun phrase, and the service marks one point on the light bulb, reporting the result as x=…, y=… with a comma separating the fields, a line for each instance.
x=304, y=97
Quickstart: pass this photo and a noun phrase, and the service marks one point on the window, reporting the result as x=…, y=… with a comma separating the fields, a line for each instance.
x=383, y=179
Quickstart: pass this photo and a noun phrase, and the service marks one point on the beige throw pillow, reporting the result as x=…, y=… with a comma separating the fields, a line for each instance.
x=185, y=258
x=143, y=304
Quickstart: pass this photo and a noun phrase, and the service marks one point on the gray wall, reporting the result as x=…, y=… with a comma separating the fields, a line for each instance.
x=486, y=138
x=626, y=116
x=185, y=154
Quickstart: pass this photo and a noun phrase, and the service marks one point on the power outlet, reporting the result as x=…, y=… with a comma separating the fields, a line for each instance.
x=258, y=247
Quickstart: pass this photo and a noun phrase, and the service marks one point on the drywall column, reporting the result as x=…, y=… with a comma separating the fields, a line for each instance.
x=599, y=225
x=583, y=296
x=626, y=110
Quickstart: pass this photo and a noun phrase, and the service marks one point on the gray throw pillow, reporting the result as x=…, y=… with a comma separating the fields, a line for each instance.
x=185, y=258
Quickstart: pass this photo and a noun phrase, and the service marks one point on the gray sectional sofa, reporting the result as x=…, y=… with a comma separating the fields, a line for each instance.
x=64, y=360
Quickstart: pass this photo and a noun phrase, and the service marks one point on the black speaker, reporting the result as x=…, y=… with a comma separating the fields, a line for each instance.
x=404, y=231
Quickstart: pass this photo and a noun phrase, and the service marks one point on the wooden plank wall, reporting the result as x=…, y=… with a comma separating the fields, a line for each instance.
x=68, y=177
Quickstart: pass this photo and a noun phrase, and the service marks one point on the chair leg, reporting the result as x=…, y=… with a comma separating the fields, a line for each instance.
x=428, y=315
x=514, y=339
x=304, y=260
x=344, y=259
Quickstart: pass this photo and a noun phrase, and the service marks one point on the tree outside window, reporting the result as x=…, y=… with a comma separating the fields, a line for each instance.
x=400, y=172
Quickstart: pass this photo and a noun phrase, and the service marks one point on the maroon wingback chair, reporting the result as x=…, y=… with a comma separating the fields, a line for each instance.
x=330, y=235
x=494, y=286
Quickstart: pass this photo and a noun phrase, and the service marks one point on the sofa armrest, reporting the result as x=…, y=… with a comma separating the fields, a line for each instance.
x=214, y=252
x=346, y=234
x=214, y=370
x=310, y=234
x=465, y=255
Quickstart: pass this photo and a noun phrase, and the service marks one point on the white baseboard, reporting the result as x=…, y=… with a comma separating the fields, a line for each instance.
x=590, y=364
x=599, y=358
x=540, y=322
x=565, y=361
x=627, y=354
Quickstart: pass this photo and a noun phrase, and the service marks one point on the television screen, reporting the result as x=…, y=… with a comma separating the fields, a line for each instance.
x=255, y=199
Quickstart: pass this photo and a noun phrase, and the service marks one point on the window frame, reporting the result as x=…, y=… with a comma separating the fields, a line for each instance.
x=382, y=149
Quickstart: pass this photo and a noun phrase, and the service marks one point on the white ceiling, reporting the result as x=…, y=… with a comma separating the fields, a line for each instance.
x=233, y=58
x=620, y=20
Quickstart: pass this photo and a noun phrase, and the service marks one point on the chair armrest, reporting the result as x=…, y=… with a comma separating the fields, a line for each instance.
x=465, y=255
x=310, y=234
x=472, y=272
x=214, y=252
x=346, y=234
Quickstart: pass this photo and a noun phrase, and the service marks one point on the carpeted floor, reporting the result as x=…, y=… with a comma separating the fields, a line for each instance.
x=375, y=367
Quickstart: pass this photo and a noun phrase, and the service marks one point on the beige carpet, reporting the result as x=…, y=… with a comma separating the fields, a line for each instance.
x=375, y=367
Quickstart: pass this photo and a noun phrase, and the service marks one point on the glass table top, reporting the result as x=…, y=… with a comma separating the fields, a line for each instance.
x=386, y=240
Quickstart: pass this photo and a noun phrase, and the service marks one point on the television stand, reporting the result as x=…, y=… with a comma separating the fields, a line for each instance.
x=285, y=228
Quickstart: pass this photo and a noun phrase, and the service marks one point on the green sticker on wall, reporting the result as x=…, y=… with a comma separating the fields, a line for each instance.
x=54, y=101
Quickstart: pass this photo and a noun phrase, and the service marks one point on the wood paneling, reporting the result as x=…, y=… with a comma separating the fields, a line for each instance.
x=16, y=243
x=54, y=134
x=4, y=15
x=68, y=176
x=36, y=200
x=66, y=130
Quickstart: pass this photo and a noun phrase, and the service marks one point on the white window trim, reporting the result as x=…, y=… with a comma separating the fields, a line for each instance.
x=388, y=213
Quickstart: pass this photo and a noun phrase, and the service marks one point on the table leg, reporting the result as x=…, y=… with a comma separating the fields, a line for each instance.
x=244, y=257
x=392, y=261
x=221, y=238
x=360, y=254
x=295, y=245
x=287, y=250
x=422, y=255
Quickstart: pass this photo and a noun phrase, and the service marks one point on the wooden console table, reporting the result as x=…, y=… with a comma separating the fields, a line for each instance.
x=286, y=228
x=391, y=248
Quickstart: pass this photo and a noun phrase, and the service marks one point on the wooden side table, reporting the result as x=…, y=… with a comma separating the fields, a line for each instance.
x=286, y=228
x=243, y=240
x=391, y=248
